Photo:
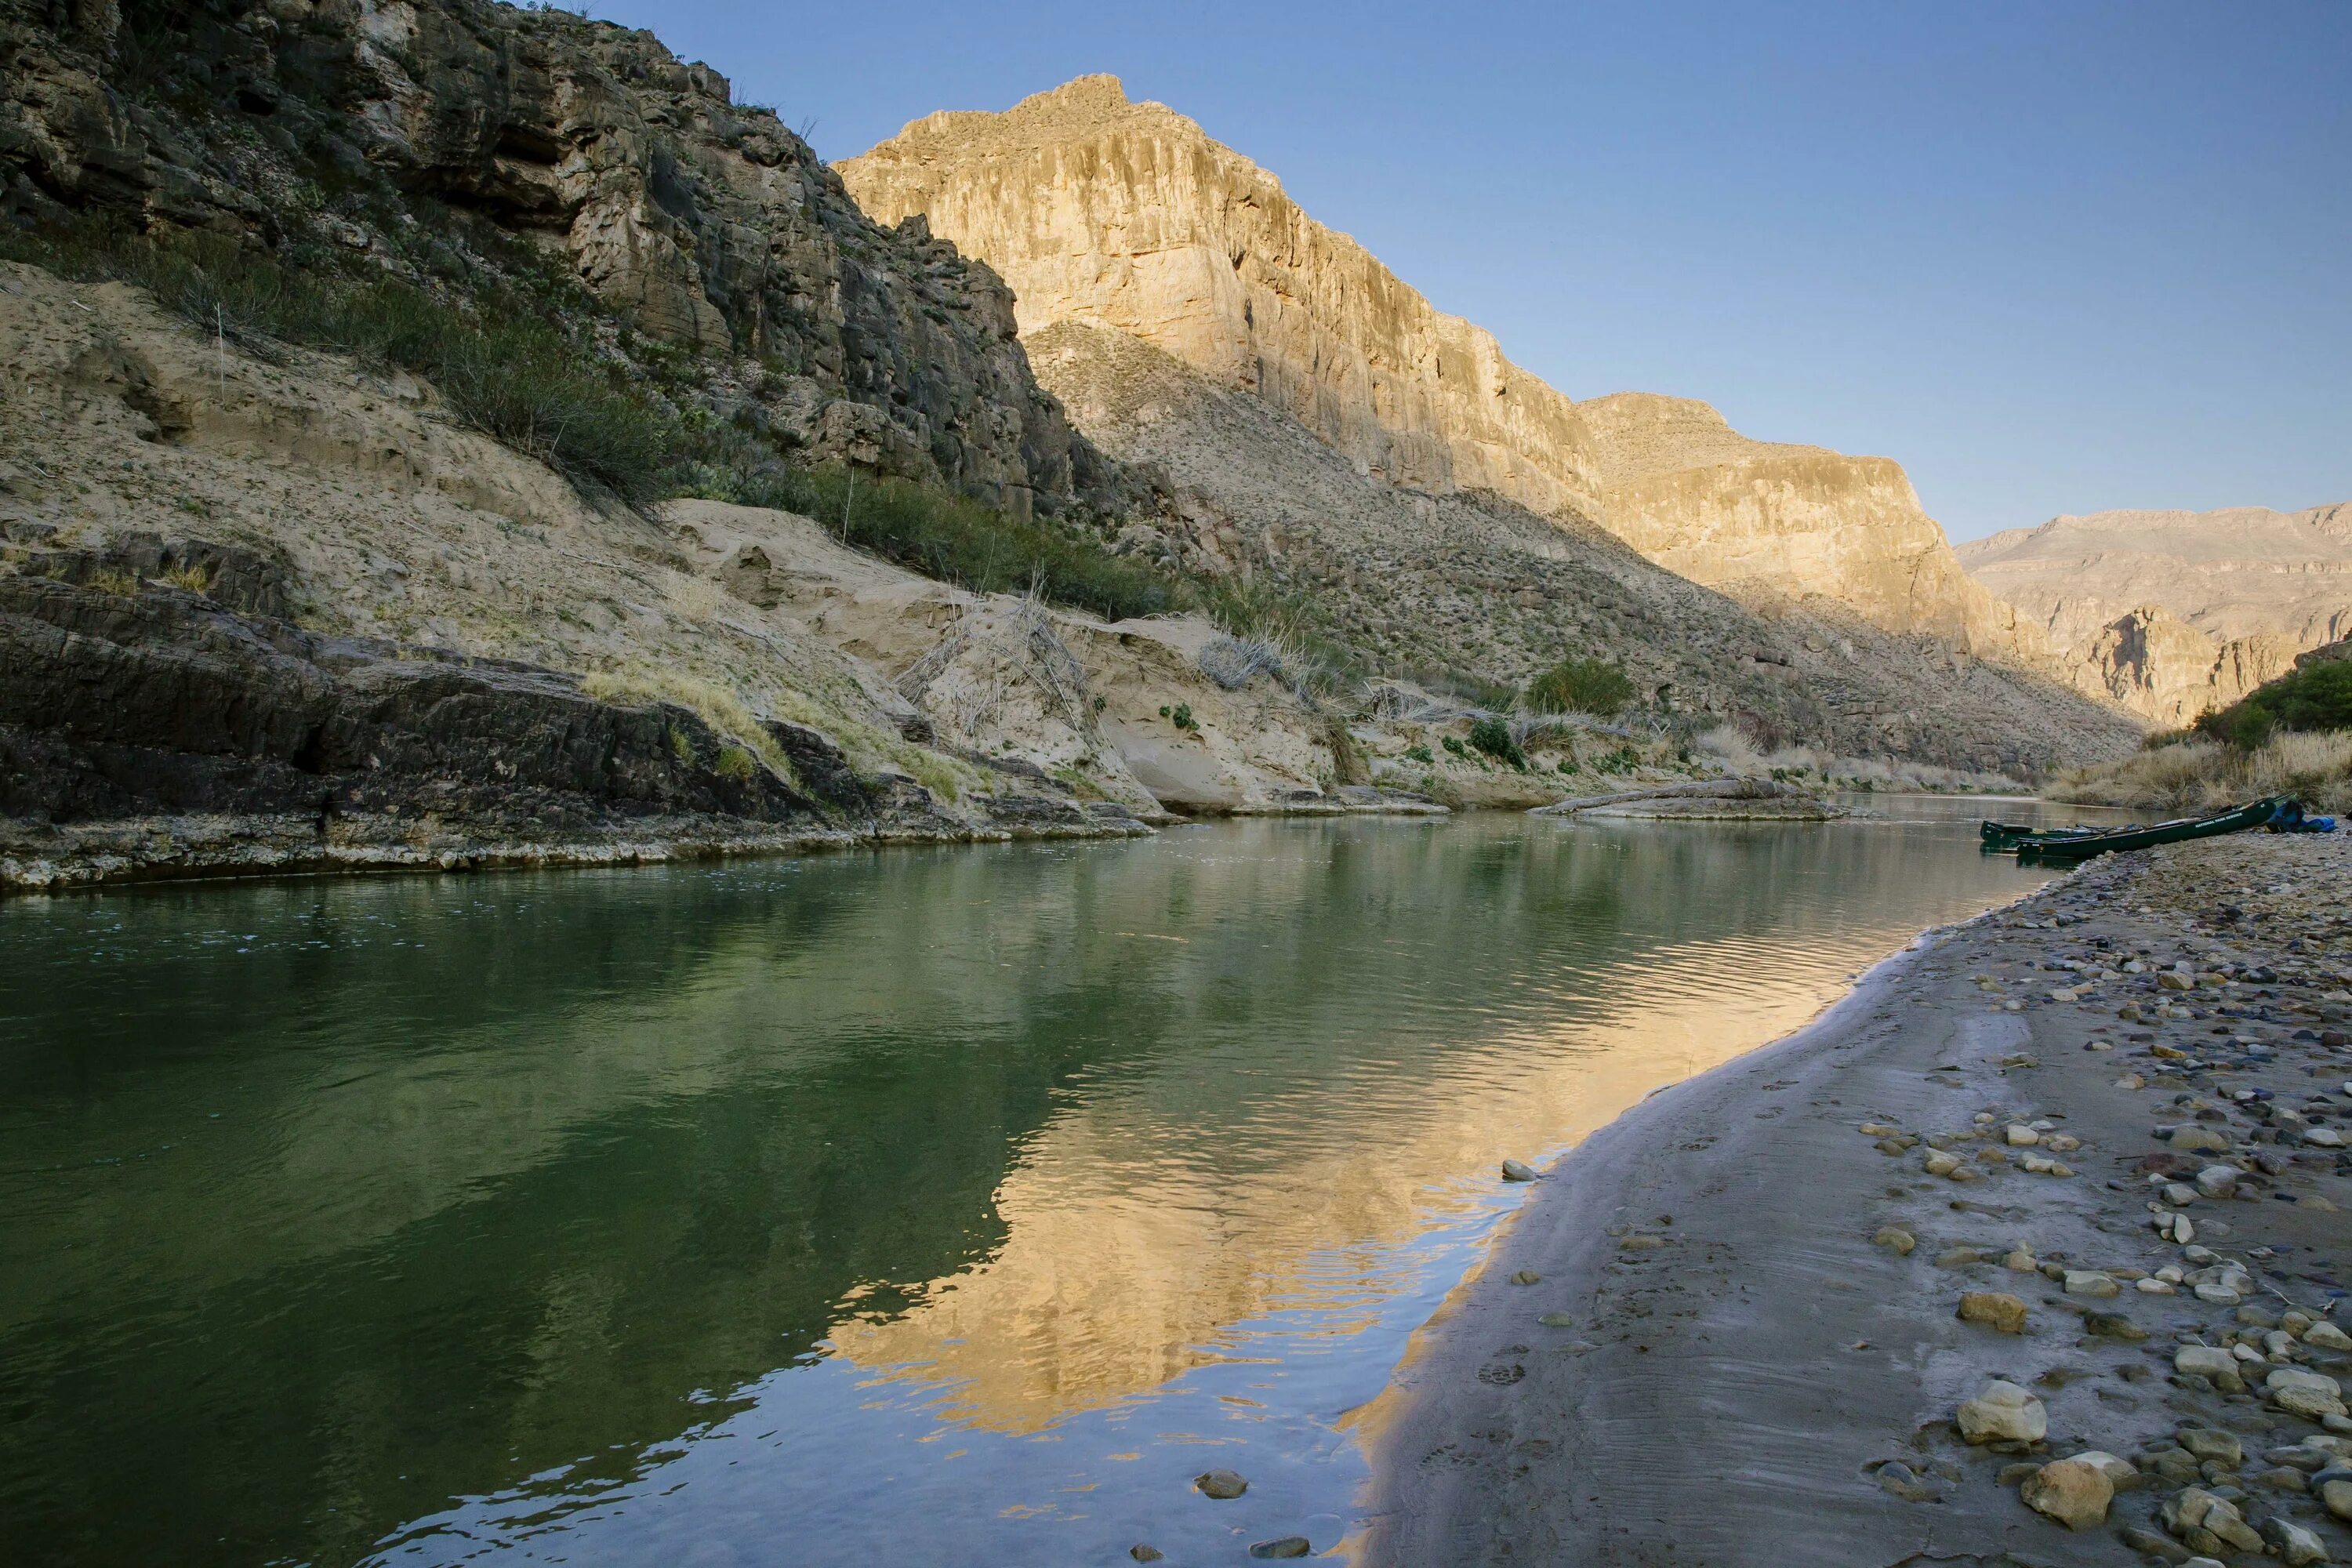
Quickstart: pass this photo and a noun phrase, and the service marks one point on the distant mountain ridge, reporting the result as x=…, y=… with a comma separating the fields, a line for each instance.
x=2170, y=613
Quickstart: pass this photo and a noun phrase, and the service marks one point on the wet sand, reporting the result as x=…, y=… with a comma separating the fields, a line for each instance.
x=1699, y=1342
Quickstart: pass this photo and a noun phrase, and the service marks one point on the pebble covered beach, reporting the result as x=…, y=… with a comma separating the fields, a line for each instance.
x=2032, y=1250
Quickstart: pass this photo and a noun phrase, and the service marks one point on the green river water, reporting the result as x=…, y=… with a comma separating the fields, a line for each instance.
x=946, y=1206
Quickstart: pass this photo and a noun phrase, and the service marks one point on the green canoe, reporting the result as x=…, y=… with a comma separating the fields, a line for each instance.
x=2081, y=843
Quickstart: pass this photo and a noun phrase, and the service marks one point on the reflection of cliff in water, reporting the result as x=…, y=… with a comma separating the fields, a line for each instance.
x=606, y=1146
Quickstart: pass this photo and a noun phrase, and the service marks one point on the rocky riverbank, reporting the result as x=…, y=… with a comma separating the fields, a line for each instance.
x=2030, y=1251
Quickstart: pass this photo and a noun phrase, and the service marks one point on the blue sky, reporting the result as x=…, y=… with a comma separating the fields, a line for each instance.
x=2054, y=257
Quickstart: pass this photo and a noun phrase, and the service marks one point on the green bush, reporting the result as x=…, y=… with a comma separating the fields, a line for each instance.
x=1580, y=686
x=1493, y=737
x=1419, y=754
x=2316, y=697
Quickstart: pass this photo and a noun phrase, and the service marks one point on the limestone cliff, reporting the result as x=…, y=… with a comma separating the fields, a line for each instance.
x=2170, y=613
x=1103, y=212
x=1124, y=214
x=1695, y=496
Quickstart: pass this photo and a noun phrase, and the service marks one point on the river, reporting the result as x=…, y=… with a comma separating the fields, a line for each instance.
x=951, y=1207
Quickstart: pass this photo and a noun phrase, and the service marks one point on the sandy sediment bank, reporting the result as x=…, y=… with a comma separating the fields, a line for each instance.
x=1725, y=1330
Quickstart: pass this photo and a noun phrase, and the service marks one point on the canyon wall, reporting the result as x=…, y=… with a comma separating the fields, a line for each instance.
x=2171, y=613
x=1103, y=212
x=707, y=224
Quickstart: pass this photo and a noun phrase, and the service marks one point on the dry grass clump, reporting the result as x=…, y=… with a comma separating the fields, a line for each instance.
x=2199, y=774
x=715, y=705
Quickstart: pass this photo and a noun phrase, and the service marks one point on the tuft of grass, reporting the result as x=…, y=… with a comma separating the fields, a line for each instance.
x=715, y=705
x=195, y=579
x=2315, y=766
x=735, y=762
x=113, y=580
x=1580, y=686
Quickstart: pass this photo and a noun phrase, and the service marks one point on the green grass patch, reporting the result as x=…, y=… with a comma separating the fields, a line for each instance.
x=1580, y=686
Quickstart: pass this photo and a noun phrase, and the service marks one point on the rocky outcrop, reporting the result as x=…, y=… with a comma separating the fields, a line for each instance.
x=706, y=223
x=1099, y=210
x=2173, y=613
x=149, y=726
x=1695, y=496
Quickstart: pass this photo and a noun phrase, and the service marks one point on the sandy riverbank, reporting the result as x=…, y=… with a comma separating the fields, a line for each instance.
x=1701, y=1342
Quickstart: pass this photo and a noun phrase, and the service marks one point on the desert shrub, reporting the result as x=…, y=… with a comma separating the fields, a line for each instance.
x=2316, y=697
x=1419, y=754
x=722, y=710
x=2203, y=774
x=940, y=534
x=734, y=762
x=1580, y=686
x=1493, y=737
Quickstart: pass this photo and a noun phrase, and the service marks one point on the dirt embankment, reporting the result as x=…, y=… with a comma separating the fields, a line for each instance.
x=2068, y=1180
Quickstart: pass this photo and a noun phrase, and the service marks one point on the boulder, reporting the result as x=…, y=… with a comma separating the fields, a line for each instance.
x=2003, y=1412
x=2076, y=1492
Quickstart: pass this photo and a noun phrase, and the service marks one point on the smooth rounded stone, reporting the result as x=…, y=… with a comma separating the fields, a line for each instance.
x=1895, y=1237
x=2179, y=1195
x=2220, y=1295
x=2283, y=1478
x=2113, y=1326
x=1936, y=1163
x=2131, y=1080
x=2020, y=1136
x=1282, y=1546
x=2195, y=1139
x=2210, y=1362
x=1903, y=1481
x=2327, y=1337
x=2003, y=1412
x=2074, y=1492
x=1222, y=1485
x=1993, y=1309
x=2298, y=1392
x=2195, y=1510
x=2149, y=1543
x=1556, y=1320
x=1641, y=1243
x=2323, y=1138
x=2207, y=1443
x=1527, y=1276
x=2295, y=1545
x=2022, y=1262
x=2334, y=1492
x=2121, y=1473
x=1144, y=1551
x=2154, y=1286
x=2218, y=1180
x=2091, y=1282
x=1958, y=1257
x=1513, y=1170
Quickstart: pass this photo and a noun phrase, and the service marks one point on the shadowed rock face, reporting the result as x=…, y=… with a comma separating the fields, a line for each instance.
x=2171, y=613
x=707, y=224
